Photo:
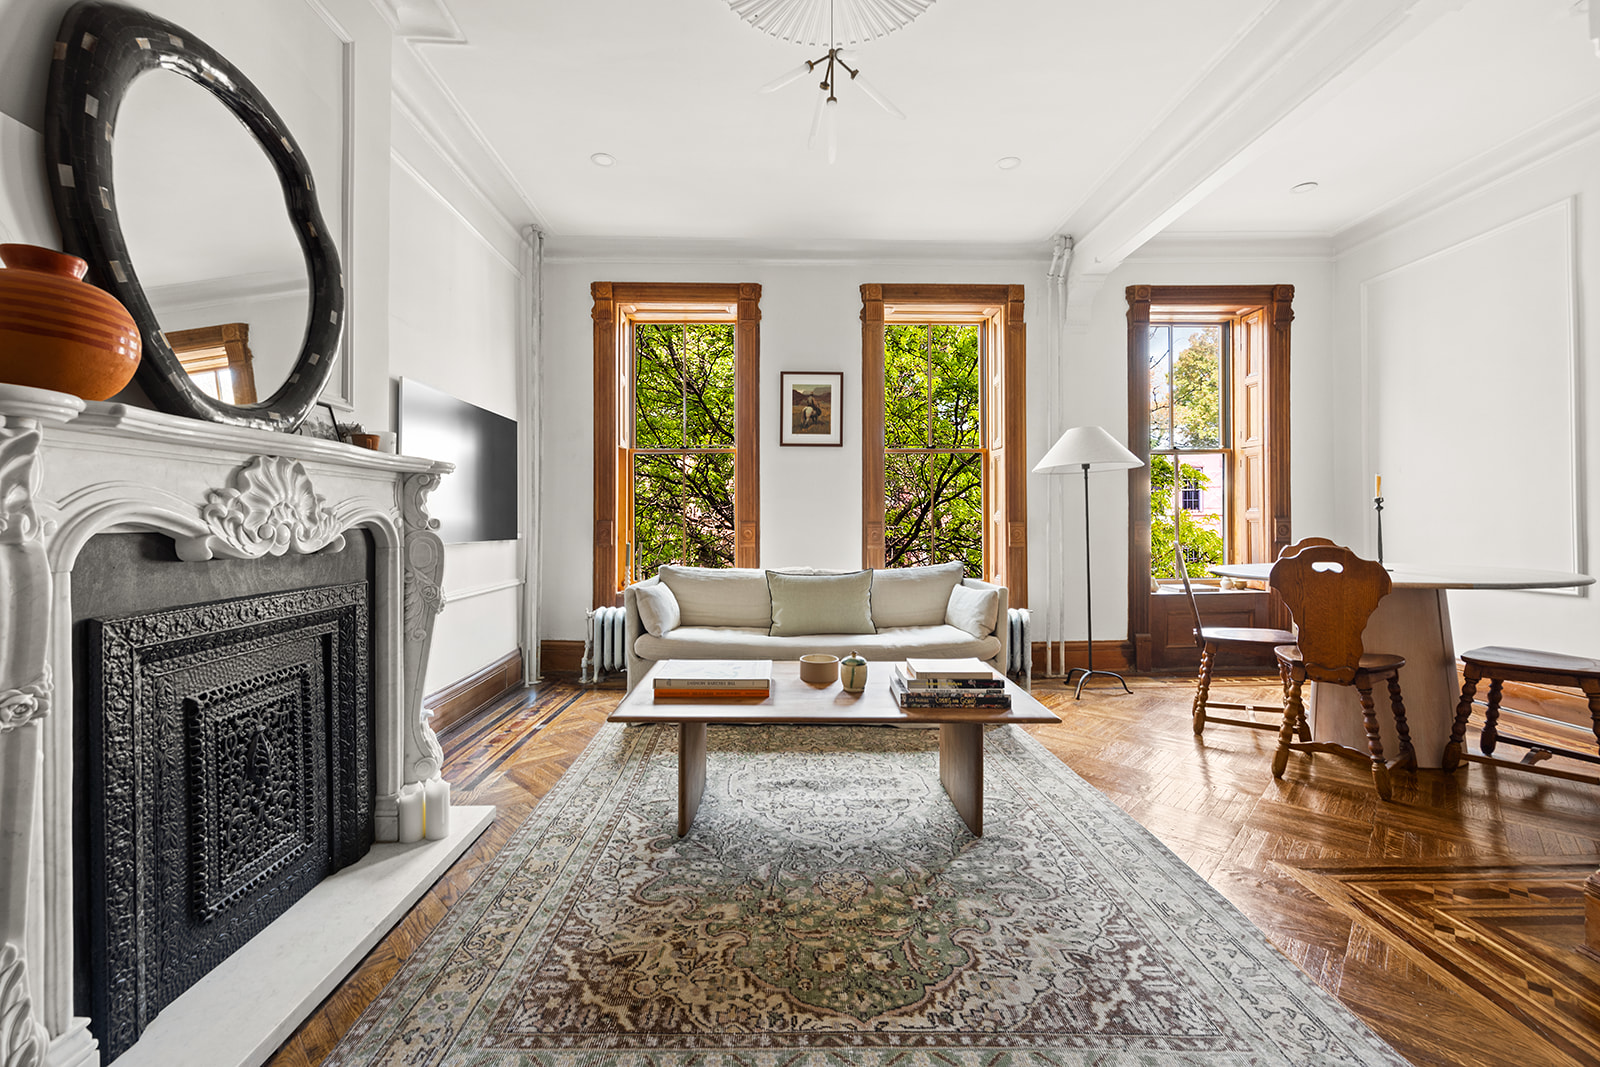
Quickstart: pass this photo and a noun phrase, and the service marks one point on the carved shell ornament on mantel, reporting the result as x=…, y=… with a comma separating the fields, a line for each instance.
x=270, y=509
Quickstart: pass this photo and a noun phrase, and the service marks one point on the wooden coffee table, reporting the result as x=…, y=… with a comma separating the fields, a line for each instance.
x=793, y=702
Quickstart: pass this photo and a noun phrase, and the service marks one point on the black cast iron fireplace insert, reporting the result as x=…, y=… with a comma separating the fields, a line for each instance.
x=227, y=768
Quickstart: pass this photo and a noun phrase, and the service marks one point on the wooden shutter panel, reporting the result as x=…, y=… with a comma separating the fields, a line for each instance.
x=1251, y=536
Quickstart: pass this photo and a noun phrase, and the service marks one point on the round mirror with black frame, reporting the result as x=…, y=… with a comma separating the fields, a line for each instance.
x=101, y=49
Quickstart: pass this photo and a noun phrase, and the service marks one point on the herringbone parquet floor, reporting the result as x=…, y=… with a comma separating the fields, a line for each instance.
x=1448, y=919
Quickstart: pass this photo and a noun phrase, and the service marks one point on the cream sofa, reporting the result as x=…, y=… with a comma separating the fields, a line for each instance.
x=727, y=614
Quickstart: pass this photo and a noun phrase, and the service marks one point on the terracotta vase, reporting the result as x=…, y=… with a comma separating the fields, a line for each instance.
x=59, y=332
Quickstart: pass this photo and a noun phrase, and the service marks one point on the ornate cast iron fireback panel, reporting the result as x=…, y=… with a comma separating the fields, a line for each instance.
x=230, y=749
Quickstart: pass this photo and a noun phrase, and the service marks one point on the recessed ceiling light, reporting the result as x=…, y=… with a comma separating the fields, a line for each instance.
x=1304, y=187
x=1008, y=163
x=602, y=159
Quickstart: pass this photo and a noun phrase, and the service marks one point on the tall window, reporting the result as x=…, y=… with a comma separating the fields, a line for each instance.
x=933, y=444
x=1208, y=410
x=682, y=489
x=1190, y=445
x=676, y=429
x=944, y=429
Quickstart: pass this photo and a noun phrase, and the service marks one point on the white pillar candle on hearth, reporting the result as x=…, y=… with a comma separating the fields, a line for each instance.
x=410, y=804
x=436, y=813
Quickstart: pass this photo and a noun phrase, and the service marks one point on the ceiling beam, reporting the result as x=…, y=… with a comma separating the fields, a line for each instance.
x=1294, y=56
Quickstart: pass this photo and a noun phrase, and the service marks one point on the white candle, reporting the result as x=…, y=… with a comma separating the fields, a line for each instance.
x=410, y=805
x=436, y=813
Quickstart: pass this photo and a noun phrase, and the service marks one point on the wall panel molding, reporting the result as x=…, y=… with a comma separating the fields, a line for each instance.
x=1566, y=405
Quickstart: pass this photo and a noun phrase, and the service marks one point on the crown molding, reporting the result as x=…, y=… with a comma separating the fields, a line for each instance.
x=1568, y=130
x=421, y=21
x=665, y=250
x=421, y=95
x=231, y=288
x=1295, y=54
x=1197, y=246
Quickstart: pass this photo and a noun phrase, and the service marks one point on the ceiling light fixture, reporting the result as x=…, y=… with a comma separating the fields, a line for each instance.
x=832, y=24
x=1304, y=187
x=1008, y=163
x=602, y=159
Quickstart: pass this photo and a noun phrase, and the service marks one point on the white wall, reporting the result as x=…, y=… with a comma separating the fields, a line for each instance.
x=810, y=497
x=1463, y=341
x=452, y=303
x=454, y=284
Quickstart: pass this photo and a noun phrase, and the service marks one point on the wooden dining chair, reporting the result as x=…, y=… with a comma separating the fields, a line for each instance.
x=1331, y=592
x=1214, y=639
x=1501, y=665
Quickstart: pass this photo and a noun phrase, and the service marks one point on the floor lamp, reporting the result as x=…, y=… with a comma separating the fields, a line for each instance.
x=1087, y=448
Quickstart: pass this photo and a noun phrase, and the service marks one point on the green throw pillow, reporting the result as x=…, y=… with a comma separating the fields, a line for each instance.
x=821, y=603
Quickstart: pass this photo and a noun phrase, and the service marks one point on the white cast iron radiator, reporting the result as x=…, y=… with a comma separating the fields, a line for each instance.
x=605, y=643
x=1019, y=649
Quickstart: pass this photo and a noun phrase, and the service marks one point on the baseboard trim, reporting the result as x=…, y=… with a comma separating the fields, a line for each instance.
x=560, y=657
x=1108, y=656
x=460, y=700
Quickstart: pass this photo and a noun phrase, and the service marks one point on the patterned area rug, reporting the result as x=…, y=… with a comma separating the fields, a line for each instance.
x=829, y=906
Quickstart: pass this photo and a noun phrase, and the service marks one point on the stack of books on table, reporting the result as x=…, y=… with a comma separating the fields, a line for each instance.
x=706, y=681
x=949, y=683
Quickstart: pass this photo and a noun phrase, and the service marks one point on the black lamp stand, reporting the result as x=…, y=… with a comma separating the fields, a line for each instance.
x=1088, y=596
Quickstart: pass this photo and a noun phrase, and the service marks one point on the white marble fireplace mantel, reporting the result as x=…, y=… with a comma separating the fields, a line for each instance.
x=70, y=470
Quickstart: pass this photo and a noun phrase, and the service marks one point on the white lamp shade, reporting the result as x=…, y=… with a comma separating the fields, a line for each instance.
x=1090, y=445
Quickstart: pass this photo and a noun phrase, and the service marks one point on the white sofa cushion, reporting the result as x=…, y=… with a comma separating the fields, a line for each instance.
x=658, y=608
x=820, y=604
x=973, y=610
x=913, y=596
x=895, y=643
x=719, y=596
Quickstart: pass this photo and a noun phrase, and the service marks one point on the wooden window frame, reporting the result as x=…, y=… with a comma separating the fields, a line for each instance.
x=616, y=306
x=1005, y=477
x=1275, y=303
x=206, y=348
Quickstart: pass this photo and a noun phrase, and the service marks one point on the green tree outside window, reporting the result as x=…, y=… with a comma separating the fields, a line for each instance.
x=1186, y=416
x=933, y=461
x=683, y=423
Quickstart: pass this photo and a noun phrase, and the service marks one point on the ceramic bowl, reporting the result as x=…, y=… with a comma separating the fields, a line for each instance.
x=819, y=669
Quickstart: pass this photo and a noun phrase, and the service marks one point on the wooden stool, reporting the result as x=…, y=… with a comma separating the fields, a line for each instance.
x=1501, y=665
x=1331, y=592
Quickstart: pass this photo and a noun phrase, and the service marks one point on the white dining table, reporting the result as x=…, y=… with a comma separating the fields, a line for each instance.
x=1412, y=621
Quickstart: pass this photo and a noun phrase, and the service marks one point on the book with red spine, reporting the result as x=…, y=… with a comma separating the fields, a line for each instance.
x=712, y=695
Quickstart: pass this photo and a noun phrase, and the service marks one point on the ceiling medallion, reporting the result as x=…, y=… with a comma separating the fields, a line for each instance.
x=832, y=24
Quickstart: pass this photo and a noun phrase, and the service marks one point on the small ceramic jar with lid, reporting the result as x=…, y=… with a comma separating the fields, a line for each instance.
x=853, y=673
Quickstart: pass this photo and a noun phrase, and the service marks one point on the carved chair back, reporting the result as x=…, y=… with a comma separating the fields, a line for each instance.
x=1188, y=589
x=1331, y=592
x=1304, y=543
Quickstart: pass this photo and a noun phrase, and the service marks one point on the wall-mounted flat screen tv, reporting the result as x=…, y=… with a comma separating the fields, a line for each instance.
x=478, y=501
